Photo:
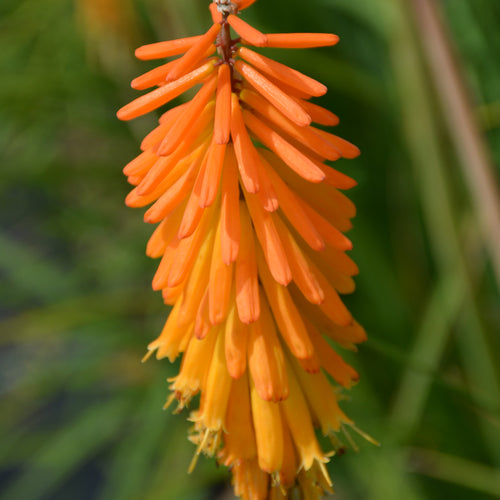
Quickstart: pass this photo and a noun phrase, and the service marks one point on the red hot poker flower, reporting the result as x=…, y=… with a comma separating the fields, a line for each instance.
x=253, y=263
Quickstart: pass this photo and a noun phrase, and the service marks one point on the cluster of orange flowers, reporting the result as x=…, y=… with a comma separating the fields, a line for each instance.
x=250, y=237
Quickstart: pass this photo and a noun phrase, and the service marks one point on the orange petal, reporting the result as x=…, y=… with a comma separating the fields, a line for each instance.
x=222, y=122
x=291, y=207
x=300, y=40
x=239, y=441
x=202, y=324
x=267, y=424
x=230, y=208
x=322, y=401
x=199, y=128
x=289, y=107
x=216, y=15
x=244, y=149
x=188, y=249
x=174, y=196
x=157, y=242
x=246, y=279
x=303, y=273
x=193, y=292
x=296, y=160
x=266, y=360
x=212, y=175
x=162, y=95
x=329, y=233
x=194, y=54
x=269, y=240
x=170, y=338
x=141, y=164
x=157, y=134
x=219, y=286
x=191, y=113
x=304, y=135
x=166, y=49
x=247, y=32
x=319, y=114
x=286, y=314
x=236, y=344
x=283, y=73
x=212, y=415
x=347, y=149
x=299, y=421
x=331, y=362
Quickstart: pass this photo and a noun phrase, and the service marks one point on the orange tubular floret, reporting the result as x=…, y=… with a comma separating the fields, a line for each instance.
x=244, y=149
x=193, y=292
x=298, y=417
x=297, y=161
x=331, y=362
x=337, y=179
x=202, y=324
x=197, y=52
x=156, y=135
x=216, y=15
x=266, y=194
x=162, y=95
x=269, y=241
x=141, y=164
x=247, y=32
x=286, y=314
x=319, y=114
x=199, y=130
x=191, y=113
x=347, y=149
x=230, y=209
x=332, y=306
x=322, y=401
x=187, y=251
x=329, y=233
x=174, y=196
x=300, y=40
x=303, y=273
x=166, y=49
x=239, y=441
x=217, y=390
x=213, y=171
x=236, y=334
x=289, y=107
x=292, y=209
x=157, y=243
x=153, y=77
x=267, y=423
x=222, y=122
x=304, y=135
x=193, y=211
x=283, y=73
x=246, y=277
x=266, y=360
x=220, y=282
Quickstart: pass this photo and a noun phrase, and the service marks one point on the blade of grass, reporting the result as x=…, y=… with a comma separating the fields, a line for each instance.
x=466, y=473
x=68, y=450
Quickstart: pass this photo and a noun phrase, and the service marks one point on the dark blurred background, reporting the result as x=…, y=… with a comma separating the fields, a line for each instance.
x=80, y=415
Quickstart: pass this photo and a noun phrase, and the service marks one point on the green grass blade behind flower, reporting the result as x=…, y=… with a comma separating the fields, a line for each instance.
x=66, y=452
x=431, y=339
x=430, y=163
x=471, y=475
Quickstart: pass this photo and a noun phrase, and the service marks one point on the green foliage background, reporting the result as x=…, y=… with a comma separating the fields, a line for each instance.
x=81, y=416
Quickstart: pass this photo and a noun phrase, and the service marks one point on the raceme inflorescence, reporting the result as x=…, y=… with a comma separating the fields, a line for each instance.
x=250, y=234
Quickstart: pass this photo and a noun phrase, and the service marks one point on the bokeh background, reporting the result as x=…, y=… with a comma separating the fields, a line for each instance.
x=81, y=417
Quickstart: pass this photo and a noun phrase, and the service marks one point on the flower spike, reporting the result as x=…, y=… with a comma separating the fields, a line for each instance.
x=250, y=237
